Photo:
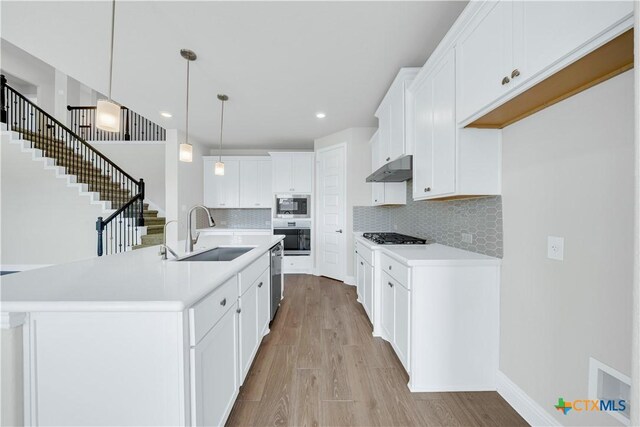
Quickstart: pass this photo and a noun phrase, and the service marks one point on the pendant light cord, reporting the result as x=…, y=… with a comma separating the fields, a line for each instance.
x=113, y=25
x=187, y=119
x=221, y=124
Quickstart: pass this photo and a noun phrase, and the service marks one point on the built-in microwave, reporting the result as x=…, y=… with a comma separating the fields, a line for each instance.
x=292, y=206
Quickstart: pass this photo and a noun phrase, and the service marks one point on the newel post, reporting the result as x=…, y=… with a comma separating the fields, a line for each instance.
x=3, y=99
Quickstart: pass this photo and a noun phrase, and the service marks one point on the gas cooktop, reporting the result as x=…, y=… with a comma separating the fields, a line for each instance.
x=393, y=239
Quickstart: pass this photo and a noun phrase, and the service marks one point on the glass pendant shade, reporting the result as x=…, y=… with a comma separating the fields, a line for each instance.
x=186, y=152
x=108, y=116
x=219, y=168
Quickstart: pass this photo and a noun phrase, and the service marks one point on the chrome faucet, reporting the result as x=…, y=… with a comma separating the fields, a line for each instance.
x=190, y=240
x=163, y=247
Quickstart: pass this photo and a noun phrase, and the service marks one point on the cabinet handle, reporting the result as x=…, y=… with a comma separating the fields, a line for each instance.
x=375, y=200
x=388, y=158
x=257, y=204
x=427, y=189
x=515, y=73
x=390, y=285
x=223, y=302
x=361, y=263
x=389, y=267
x=238, y=310
x=292, y=189
x=356, y=251
x=339, y=231
x=260, y=284
x=505, y=80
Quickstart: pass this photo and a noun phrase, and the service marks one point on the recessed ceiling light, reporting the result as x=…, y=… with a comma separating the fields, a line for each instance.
x=166, y=114
x=321, y=115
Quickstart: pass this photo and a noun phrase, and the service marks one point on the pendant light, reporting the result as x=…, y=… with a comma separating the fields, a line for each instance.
x=107, y=111
x=186, y=149
x=219, y=167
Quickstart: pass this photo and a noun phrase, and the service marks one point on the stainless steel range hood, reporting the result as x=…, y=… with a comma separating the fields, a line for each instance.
x=396, y=171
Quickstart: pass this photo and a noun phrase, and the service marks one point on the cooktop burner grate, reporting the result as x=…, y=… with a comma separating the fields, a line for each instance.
x=393, y=239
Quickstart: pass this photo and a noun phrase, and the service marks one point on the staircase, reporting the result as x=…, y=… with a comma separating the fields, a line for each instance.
x=131, y=224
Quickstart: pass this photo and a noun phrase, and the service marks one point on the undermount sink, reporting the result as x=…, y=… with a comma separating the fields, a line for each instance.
x=219, y=254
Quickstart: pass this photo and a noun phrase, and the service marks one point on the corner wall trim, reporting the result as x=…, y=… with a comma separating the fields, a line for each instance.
x=528, y=409
x=350, y=280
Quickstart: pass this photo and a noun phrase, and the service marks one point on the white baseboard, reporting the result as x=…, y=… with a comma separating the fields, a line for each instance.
x=528, y=409
x=350, y=280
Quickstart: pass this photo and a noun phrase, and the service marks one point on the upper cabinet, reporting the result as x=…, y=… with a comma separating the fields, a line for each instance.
x=292, y=172
x=391, y=116
x=508, y=46
x=246, y=183
x=385, y=193
x=449, y=162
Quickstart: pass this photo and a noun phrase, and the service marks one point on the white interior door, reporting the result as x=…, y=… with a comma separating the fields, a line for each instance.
x=331, y=212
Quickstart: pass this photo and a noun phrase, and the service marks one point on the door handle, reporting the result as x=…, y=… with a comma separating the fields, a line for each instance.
x=238, y=310
x=339, y=231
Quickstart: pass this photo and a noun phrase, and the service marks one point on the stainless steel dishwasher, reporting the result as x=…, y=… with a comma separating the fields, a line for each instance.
x=276, y=278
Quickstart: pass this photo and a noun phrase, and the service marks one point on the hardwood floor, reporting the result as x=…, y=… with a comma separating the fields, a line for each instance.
x=320, y=366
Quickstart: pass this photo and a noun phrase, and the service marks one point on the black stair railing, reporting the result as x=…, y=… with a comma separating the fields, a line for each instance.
x=119, y=231
x=133, y=126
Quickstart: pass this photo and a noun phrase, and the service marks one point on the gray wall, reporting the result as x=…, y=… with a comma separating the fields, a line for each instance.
x=568, y=171
x=439, y=221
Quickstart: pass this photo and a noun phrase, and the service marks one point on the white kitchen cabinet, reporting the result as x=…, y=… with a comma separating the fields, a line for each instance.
x=360, y=278
x=388, y=307
x=368, y=290
x=292, y=172
x=222, y=191
x=255, y=183
x=391, y=119
x=402, y=326
x=384, y=193
x=447, y=161
x=248, y=318
x=364, y=278
x=509, y=46
x=264, y=303
x=246, y=182
x=214, y=375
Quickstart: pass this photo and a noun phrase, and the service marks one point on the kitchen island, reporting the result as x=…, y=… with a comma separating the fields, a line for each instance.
x=130, y=339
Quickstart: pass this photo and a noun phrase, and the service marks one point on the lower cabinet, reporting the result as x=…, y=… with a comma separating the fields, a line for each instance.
x=214, y=372
x=264, y=303
x=364, y=284
x=401, y=321
x=388, y=307
x=248, y=317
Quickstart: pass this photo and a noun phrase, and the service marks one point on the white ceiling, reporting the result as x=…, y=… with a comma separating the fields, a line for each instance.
x=279, y=62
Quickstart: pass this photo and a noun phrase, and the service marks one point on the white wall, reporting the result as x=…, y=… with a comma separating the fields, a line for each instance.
x=568, y=171
x=140, y=160
x=358, y=168
x=43, y=220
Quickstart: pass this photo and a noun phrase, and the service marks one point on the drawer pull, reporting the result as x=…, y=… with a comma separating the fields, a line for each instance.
x=238, y=310
x=260, y=284
x=223, y=302
x=515, y=73
x=390, y=285
x=427, y=189
x=389, y=267
x=505, y=80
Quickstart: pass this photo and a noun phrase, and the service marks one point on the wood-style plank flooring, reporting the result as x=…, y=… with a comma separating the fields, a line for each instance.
x=320, y=366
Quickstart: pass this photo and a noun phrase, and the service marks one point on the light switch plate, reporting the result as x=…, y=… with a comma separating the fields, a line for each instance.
x=467, y=238
x=555, y=248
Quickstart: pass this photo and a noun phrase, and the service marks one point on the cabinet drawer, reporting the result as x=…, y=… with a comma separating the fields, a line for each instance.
x=395, y=269
x=206, y=312
x=252, y=272
x=364, y=252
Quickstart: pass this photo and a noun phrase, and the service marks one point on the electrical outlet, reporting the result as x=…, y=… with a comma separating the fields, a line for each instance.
x=555, y=248
x=467, y=238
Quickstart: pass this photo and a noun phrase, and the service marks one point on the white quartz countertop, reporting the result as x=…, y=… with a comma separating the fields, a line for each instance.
x=429, y=254
x=132, y=281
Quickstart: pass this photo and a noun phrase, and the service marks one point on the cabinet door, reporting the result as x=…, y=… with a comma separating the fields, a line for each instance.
x=231, y=184
x=249, y=179
x=281, y=166
x=368, y=290
x=423, y=139
x=444, y=128
x=545, y=32
x=248, y=329
x=377, y=193
x=396, y=123
x=384, y=133
x=265, y=195
x=484, y=59
x=214, y=372
x=264, y=303
x=401, y=338
x=302, y=173
x=360, y=279
x=388, y=306
x=211, y=183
